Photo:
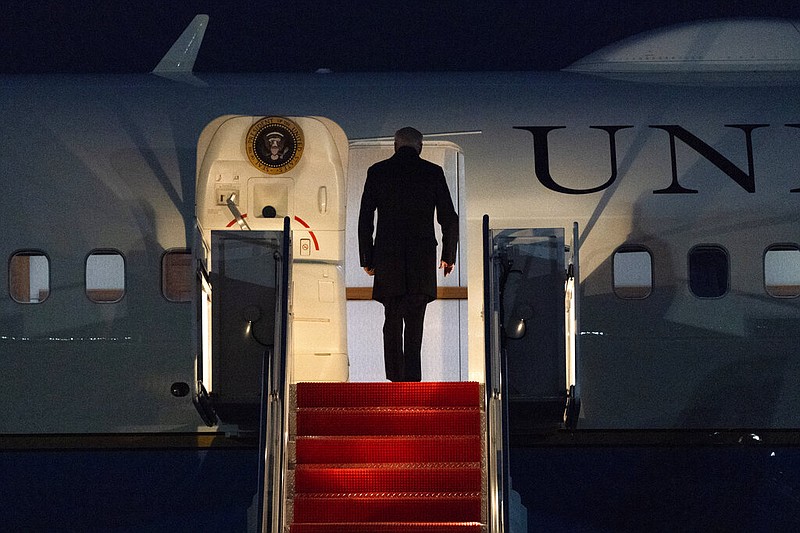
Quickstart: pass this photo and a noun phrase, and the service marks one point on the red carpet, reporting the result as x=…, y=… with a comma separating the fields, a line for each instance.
x=386, y=457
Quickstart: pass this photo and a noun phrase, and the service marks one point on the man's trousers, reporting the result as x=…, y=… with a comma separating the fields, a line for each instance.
x=402, y=336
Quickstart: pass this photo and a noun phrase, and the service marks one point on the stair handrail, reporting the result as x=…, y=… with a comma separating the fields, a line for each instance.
x=494, y=396
x=273, y=423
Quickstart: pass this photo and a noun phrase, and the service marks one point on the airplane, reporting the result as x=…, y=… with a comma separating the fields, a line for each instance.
x=671, y=157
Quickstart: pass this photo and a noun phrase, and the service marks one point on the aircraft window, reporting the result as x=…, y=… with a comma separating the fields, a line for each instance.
x=176, y=276
x=29, y=277
x=782, y=271
x=105, y=276
x=633, y=273
x=708, y=271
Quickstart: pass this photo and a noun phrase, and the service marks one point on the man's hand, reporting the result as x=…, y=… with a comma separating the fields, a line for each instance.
x=370, y=271
x=448, y=267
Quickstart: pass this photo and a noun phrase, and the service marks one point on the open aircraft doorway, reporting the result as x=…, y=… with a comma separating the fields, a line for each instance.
x=444, y=345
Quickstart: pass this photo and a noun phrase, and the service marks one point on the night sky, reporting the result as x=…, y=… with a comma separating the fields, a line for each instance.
x=345, y=36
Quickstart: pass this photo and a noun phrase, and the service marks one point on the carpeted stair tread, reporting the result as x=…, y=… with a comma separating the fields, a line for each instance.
x=388, y=421
x=388, y=478
x=396, y=449
x=390, y=527
x=442, y=394
x=387, y=507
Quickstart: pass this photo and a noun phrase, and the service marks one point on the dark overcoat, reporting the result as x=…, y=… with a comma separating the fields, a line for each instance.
x=405, y=190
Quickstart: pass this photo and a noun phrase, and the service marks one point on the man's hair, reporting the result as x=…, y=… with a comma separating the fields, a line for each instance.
x=408, y=137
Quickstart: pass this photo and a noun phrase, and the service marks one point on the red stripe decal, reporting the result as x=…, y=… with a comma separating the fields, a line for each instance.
x=232, y=222
x=313, y=237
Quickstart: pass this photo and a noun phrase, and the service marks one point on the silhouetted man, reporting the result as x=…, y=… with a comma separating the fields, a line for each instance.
x=405, y=190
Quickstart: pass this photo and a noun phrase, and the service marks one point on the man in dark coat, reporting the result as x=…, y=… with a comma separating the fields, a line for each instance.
x=405, y=190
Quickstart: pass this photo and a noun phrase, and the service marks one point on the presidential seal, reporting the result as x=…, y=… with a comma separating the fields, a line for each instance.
x=274, y=144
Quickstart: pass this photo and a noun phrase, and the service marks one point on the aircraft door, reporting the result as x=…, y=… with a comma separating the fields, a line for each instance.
x=254, y=175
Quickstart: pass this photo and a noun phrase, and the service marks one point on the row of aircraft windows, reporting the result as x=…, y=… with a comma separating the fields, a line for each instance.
x=708, y=271
x=708, y=268
x=29, y=276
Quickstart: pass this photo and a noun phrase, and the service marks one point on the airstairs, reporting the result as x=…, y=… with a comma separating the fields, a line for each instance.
x=271, y=350
x=386, y=457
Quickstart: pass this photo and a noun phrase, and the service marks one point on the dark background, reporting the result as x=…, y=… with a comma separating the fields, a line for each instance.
x=344, y=36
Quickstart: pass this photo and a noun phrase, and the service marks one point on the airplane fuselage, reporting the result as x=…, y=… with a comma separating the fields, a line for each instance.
x=108, y=164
